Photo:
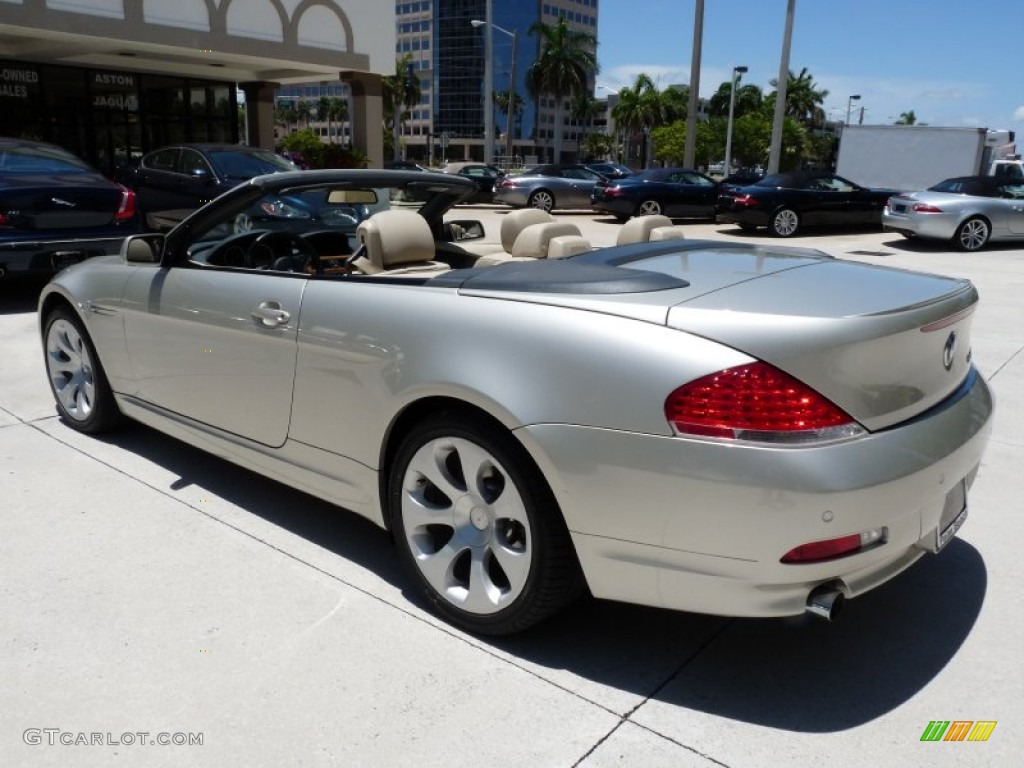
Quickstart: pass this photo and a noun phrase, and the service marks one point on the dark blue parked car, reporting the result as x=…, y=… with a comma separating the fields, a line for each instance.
x=679, y=193
x=171, y=182
x=56, y=209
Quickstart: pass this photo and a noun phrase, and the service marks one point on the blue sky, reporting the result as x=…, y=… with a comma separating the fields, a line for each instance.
x=953, y=62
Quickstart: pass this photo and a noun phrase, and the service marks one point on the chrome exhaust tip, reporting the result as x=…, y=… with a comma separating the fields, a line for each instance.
x=825, y=602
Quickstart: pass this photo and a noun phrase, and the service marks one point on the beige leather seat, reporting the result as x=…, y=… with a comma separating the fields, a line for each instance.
x=397, y=242
x=535, y=241
x=511, y=227
x=519, y=220
x=638, y=229
x=667, y=233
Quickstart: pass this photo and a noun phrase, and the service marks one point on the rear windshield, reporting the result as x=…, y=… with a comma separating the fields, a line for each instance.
x=40, y=160
x=245, y=165
x=960, y=187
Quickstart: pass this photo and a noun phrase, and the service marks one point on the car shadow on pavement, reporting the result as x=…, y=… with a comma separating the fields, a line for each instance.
x=799, y=674
x=931, y=245
x=20, y=294
x=344, y=533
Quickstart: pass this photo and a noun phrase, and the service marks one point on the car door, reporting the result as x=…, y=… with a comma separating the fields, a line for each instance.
x=216, y=345
x=1012, y=197
x=156, y=180
x=197, y=182
x=826, y=201
x=689, y=195
x=579, y=183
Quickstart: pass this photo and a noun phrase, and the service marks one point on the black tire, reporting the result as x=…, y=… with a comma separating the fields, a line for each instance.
x=649, y=208
x=465, y=559
x=542, y=199
x=85, y=401
x=973, y=234
x=785, y=222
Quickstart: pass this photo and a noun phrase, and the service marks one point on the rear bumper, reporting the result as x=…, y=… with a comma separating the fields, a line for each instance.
x=614, y=207
x=752, y=218
x=702, y=526
x=47, y=257
x=937, y=226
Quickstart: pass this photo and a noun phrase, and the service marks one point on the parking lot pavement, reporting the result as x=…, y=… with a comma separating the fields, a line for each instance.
x=150, y=588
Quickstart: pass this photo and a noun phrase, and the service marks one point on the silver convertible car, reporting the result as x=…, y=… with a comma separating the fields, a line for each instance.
x=969, y=211
x=712, y=427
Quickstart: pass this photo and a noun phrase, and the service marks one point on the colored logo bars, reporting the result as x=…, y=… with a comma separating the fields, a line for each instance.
x=958, y=730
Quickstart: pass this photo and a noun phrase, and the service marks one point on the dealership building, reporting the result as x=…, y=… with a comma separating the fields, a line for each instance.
x=111, y=79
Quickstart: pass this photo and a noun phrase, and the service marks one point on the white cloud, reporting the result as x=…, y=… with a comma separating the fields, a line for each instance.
x=1018, y=113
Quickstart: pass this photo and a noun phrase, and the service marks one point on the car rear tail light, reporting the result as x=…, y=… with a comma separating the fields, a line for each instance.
x=126, y=210
x=757, y=402
x=506, y=184
x=925, y=208
x=613, y=192
x=842, y=546
x=744, y=201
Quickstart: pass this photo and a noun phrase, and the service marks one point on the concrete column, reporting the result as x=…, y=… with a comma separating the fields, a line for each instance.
x=259, y=108
x=367, y=120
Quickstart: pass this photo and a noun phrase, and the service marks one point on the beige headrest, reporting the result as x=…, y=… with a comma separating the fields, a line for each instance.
x=533, y=241
x=667, y=233
x=396, y=237
x=567, y=245
x=519, y=220
x=638, y=229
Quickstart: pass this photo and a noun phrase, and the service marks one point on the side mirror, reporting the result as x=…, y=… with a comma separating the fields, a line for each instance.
x=464, y=230
x=143, y=249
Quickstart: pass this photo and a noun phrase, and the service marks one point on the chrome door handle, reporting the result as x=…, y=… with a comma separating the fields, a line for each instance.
x=270, y=315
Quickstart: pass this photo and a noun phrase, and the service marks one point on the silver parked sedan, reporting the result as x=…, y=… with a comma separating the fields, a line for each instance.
x=548, y=187
x=969, y=211
x=702, y=426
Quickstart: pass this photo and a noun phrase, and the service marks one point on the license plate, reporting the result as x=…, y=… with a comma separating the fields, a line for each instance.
x=954, y=513
x=899, y=208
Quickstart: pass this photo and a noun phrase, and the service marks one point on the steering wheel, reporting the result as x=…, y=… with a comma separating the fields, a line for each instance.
x=283, y=251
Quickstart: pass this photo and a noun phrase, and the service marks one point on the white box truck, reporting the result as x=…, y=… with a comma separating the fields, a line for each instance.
x=914, y=157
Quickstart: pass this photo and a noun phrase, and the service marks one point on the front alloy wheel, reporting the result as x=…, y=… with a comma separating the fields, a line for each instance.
x=79, y=385
x=478, y=527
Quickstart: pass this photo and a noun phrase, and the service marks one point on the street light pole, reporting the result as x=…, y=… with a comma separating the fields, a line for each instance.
x=849, y=106
x=488, y=79
x=728, y=130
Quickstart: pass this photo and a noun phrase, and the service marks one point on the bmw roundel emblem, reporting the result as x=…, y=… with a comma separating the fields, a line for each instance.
x=949, y=350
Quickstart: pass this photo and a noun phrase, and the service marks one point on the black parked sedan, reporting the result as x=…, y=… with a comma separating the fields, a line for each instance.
x=56, y=210
x=785, y=203
x=674, y=192
x=171, y=182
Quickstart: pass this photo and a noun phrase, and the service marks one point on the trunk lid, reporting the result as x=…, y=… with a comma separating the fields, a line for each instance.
x=56, y=202
x=883, y=344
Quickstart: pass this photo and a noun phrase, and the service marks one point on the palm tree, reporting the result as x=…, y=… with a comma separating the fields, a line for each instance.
x=639, y=110
x=303, y=112
x=747, y=99
x=338, y=110
x=566, y=62
x=511, y=104
x=401, y=90
x=584, y=109
x=323, y=112
x=803, y=99
x=907, y=118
